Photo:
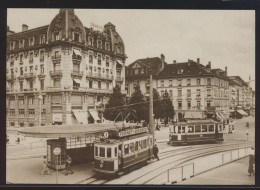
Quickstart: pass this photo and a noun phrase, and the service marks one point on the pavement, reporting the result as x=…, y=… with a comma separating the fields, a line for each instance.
x=224, y=175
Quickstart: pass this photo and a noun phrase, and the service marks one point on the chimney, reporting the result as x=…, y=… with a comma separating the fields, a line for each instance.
x=198, y=60
x=163, y=61
x=174, y=61
x=209, y=64
x=226, y=70
x=24, y=27
x=8, y=28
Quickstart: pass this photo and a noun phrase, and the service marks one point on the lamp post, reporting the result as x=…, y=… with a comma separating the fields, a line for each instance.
x=40, y=108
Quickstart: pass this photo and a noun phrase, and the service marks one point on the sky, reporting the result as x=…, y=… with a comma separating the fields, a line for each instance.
x=224, y=37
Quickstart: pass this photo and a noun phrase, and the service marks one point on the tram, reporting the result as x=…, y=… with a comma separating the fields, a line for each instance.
x=195, y=132
x=120, y=151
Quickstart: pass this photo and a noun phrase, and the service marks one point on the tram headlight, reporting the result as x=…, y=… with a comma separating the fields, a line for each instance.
x=101, y=165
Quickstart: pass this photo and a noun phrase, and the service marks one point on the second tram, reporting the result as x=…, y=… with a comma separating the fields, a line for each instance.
x=196, y=131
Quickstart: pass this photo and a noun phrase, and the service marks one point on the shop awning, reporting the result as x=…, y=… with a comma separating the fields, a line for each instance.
x=77, y=81
x=94, y=114
x=77, y=52
x=81, y=116
x=242, y=112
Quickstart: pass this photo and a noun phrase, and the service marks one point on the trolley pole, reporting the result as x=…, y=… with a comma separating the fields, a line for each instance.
x=151, y=123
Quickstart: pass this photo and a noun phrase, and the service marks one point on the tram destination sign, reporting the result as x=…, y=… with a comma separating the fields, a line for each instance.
x=132, y=132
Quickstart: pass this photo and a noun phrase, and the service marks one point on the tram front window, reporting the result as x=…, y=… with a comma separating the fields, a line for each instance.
x=204, y=128
x=197, y=129
x=211, y=128
x=115, y=151
x=190, y=129
x=102, y=152
x=126, y=149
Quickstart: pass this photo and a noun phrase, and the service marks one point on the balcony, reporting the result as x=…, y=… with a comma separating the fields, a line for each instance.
x=9, y=90
x=30, y=89
x=99, y=76
x=10, y=78
x=76, y=57
x=56, y=73
x=21, y=77
x=29, y=75
x=41, y=75
x=56, y=57
x=53, y=89
x=119, y=79
x=21, y=63
x=77, y=74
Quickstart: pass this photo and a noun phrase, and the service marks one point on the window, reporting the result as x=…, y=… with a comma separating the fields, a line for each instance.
x=107, y=46
x=30, y=100
x=42, y=39
x=42, y=84
x=198, y=81
x=56, y=36
x=56, y=82
x=31, y=41
x=109, y=152
x=170, y=93
x=188, y=82
x=198, y=92
x=132, y=147
x=191, y=129
x=76, y=68
x=170, y=82
x=90, y=41
x=56, y=54
x=90, y=58
x=11, y=101
x=90, y=84
x=21, y=100
x=99, y=44
x=21, y=58
x=99, y=84
x=189, y=93
x=12, y=45
x=99, y=59
x=211, y=128
x=76, y=36
x=189, y=104
x=198, y=104
x=179, y=93
x=56, y=67
x=197, y=128
x=208, y=81
x=179, y=82
x=21, y=85
x=21, y=43
x=162, y=83
x=42, y=69
x=126, y=149
x=208, y=103
x=119, y=50
x=179, y=104
x=43, y=100
x=204, y=128
x=102, y=151
x=12, y=112
x=42, y=55
x=21, y=71
x=31, y=112
x=107, y=86
x=21, y=112
x=31, y=57
x=208, y=92
x=107, y=61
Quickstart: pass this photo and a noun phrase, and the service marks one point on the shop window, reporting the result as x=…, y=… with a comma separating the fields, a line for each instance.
x=96, y=151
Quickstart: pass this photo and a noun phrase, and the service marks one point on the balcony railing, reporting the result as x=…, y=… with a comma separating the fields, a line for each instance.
x=119, y=79
x=76, y=57
x=99, y=76
x=56, y=57
x=77, y=73
x=29, y=75
x=10, y=77
x=80, y=89
x=56, y=73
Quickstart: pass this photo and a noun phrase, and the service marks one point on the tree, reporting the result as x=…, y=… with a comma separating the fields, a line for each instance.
x=139, y=106
x=168, y=107
x=158, y=109
x=114, y=105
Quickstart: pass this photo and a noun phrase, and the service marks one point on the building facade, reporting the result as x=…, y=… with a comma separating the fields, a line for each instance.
x=191, y=86
x=63, y=70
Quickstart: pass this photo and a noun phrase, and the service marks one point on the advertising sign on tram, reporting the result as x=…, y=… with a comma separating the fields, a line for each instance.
x=132, y=132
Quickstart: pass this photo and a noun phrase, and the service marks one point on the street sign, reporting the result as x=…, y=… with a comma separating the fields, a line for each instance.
x=56, y=151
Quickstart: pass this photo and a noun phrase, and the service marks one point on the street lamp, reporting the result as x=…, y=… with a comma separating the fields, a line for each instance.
x=40, y=107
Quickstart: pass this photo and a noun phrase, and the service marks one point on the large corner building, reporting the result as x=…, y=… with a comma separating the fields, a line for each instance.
x=62, y=73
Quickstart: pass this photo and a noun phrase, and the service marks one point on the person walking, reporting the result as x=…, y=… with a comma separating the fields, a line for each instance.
x=247, y=125
x=45, y=166
x=68, y=163
x=155, y=152
x=251, y=161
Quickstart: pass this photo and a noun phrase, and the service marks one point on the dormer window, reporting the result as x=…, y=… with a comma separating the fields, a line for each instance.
x=21, y=43
x=12, y=45
x=42, y=39
x=119, y=50
x=99, y=44
x=76, y=36
x=31, y=41
x=56, y=36
x=107, y=46
x=90, y=41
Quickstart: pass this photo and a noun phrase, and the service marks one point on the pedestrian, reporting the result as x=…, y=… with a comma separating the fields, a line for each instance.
x=155, y=152
x=18, y=138
x=251, y=161
x=247, y=125
x=45, y=166
x=68, y=163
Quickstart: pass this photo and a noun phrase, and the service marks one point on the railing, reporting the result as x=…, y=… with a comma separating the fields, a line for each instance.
x=10, y=77
x=77, y=57
x=56, y=72
x=29, y=75
x=55, y=57
x=119, y=79
x=77, y=73
x=99, y=76
x=83, y=89
x=181, y=172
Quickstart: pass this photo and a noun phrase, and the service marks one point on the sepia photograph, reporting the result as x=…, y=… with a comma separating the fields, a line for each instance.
x=130, y=96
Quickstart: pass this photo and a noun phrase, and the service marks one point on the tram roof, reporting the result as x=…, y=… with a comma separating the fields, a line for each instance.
x=198, y=121
x=64, y=131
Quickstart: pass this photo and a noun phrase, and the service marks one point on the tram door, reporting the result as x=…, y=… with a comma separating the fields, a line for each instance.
x=216, y=131
x=120, y=156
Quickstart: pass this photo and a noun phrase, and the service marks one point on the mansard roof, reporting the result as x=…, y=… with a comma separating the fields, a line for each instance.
x=152, y=63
